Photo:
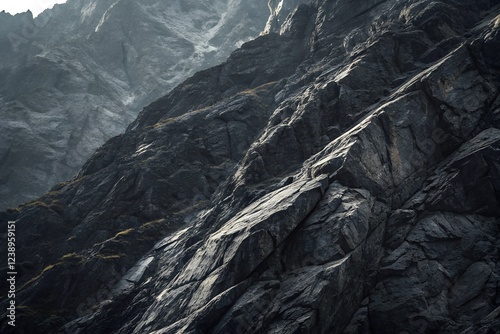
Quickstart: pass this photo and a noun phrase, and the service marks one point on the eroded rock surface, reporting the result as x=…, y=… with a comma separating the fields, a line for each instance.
x=78, y=74
x=338, y=175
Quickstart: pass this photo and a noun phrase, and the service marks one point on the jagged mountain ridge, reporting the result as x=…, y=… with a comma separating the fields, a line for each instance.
x=339, y=177
x=78, y=74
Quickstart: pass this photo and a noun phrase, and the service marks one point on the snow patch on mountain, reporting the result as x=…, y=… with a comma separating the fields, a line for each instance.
x=88, y=10
x=104, y=17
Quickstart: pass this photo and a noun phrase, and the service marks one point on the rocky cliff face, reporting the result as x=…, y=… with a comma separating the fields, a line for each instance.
x=78, y=74
x=338, y=175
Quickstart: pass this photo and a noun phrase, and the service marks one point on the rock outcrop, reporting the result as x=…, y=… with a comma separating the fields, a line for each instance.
x=338, y=175
x=78, y=74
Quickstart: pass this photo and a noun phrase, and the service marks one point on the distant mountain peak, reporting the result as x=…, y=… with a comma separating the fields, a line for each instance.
x=111, y=58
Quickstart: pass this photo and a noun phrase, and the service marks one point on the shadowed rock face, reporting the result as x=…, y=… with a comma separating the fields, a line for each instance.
x=338, y=175
x=78, y=74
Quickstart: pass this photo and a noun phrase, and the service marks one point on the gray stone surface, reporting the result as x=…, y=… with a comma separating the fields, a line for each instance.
x=338, y=175
x=78, y=74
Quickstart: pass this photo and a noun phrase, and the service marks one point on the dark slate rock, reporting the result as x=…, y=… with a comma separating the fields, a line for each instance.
x=337, y=175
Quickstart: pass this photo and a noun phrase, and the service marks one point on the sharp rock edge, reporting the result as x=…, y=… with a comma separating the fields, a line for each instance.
x=338, y=175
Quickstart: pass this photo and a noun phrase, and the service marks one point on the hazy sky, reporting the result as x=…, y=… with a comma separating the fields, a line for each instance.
x=19, y=6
